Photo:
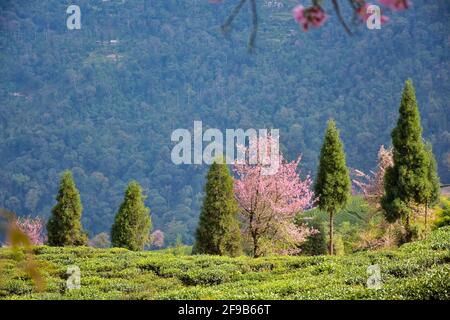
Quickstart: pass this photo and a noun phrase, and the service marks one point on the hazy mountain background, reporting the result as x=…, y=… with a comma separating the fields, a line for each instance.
x=104, y=100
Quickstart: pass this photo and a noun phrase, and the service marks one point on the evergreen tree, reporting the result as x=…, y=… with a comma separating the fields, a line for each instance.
x=434, y=185
x=406, y=183
x=333, y=185
x=218, y=230
x=64, y=226
x=132, y=225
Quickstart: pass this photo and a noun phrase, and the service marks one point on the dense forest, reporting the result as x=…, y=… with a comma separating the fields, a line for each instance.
x=103, y=101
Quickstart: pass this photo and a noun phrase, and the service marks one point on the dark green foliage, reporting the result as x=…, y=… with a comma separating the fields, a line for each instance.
x=132, y=225
x=333, y=184
x=407, y=182
x=434, y=184
x=218, y=229
x=356, y=212
x=64, y=226
x=315, y=244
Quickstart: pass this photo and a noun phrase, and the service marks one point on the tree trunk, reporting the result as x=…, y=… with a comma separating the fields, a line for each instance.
x=255, y=247
x=331, y=231
x=408, y=228
x=426, y=218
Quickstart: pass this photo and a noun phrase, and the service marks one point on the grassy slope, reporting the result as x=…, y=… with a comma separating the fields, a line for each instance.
x=419, y=270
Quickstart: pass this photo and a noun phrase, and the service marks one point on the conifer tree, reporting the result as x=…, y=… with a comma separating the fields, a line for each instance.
x=132, y=225
x=218, y=229
x=333, y=186
x=406, y=183
x=64, y=226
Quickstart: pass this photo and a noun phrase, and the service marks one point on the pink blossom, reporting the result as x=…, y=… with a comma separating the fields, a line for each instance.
x=314, y=16
x=396, y=4
x=372, y=185
x=269, y=203
x=158, y=238
x=33, y=228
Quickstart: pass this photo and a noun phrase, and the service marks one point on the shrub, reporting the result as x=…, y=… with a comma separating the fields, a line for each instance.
x=132, y=225
x=64, y=227
x=315, y=244
x=417, y=270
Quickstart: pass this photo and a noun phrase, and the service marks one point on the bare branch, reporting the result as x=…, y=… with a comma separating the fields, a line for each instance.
x=226, y=26
x=339, y=15
x=252, y=38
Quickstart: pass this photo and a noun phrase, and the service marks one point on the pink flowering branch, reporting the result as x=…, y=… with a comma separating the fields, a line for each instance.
x=372, y=185
x=33, y=228
x=269, y=203
x=158, y=238
x=314, y=15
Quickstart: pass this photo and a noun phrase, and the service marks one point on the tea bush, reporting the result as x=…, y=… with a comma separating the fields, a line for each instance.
x=418, y=270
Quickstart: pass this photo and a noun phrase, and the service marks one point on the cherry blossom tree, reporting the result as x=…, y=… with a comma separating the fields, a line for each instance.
x=269, y=202
x=372, y=185
x=18, y=236
x=157, y=238
x=313, y=15
x=33, y=228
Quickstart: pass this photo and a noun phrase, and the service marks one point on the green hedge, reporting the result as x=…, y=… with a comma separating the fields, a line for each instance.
x=419, y=270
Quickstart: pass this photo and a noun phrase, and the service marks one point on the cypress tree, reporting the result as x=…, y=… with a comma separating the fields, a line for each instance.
x=132, y=225
x=407, y=181
x=64, y=226
x=332, y=185
x=218, y=229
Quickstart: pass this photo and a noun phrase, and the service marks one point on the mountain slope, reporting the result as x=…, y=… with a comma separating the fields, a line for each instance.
x=104, y=100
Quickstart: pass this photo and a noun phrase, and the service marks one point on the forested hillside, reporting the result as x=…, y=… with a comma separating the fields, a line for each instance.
x=104, y=100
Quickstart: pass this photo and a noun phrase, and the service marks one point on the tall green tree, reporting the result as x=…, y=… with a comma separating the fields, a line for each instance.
x=218, y=229
x=407, y=182
x=333, y=186
x=434, y=185
x=132, y=225
x=64, y=226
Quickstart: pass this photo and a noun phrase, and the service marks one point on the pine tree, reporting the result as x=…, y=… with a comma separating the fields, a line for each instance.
x=132, y=225
x=434, y=185
x=406, y=183
x=333, y=185
x=64, y=226
x=218, y=229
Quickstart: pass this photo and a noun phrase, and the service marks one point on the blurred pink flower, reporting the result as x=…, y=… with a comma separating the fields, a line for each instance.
x=396, y=4
x=33, y=228
x=158, y=238
x=314, y=16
